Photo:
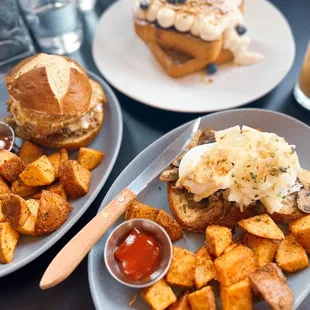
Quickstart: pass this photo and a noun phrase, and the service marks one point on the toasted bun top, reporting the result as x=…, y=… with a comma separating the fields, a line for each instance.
x=50, y=84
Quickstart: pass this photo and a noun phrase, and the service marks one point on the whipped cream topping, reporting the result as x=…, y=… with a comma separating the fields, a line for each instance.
x=206, y=19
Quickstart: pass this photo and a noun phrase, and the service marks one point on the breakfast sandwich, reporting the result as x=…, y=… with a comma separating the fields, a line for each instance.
x=186, y=36
x=54, y=103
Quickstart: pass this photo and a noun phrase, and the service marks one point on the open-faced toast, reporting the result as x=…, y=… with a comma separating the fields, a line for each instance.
x=196, y=216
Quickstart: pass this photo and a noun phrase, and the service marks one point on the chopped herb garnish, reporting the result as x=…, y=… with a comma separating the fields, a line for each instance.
x=255, y=188
x=274, y=171
x=253, y=175
x=293, y=149
x=283, y=169
x=232, y=175
x=272, y=154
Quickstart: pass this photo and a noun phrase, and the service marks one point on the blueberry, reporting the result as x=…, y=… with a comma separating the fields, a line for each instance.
x=181, y=1
x=211, y=68
x=144, y=5
x=241, y=29
x=172, y=1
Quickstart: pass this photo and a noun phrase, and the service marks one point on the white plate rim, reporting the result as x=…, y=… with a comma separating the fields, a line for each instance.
x=91, y=256
x=58, y=235
x=114, y=83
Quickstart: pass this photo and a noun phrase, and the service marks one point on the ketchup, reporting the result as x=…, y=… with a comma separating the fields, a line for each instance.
x=139, y=255
x=5, y=142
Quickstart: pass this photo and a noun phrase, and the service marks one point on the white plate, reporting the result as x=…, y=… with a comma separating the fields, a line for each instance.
x=126, y=62
x=107, y=293
x=108, y=141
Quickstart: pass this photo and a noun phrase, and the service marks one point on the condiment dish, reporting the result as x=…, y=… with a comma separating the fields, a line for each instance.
x=7, y=136
x=119, y=234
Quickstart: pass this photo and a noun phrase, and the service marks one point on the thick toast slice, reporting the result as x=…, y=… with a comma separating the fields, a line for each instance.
x=196, y=216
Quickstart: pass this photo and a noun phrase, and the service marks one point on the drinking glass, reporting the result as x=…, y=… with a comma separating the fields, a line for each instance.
x=55, y=24
x=302, y=87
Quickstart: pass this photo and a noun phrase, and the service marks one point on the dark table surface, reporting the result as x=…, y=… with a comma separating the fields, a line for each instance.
x=142, y=125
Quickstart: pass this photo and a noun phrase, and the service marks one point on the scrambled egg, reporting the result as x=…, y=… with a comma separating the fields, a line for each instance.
x=248, y=164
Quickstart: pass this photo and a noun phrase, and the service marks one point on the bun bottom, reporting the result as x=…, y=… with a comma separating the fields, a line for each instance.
x=72, y=142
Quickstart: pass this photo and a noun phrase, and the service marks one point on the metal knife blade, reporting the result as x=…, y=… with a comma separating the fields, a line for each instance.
x=164, y=159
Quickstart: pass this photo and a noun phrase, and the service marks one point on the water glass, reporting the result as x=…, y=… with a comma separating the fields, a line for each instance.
x=55, y=24
x=302, y=87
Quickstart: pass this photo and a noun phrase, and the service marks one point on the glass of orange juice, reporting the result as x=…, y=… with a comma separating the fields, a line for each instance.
x=302, y=87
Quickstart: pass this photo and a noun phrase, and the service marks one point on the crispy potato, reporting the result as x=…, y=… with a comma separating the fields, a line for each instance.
x=140, y=210
x=203, y=299
x=53, y=212
x=159, y=296
x=18, y=187
x=231, y=247
x=270, y=283
x=56, y=188
x=29, y=227
x=64, y=156
x=182, y=302
x=182, y=268
x=235, y=266
x=89, y=158
x=2, y=218
x=218, y=239
x=10, y=165
x=29, y=152
x=74, y=178
x=290, y=255
x=15, y=210
x=171, y=226
x=55, y=161
x=4, y=188
x=264, y=249
x=262, y=226
x=38, y=173
x=8, y=241
x=237, y=296
x=205, y=270
x=301, y=230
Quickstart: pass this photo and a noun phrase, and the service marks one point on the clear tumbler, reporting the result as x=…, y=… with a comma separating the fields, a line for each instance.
x=302, y=87
x=56, y=24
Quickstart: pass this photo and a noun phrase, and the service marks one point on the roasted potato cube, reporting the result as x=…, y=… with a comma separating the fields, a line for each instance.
x=55, y=161
x=38, y=173
x=264, y=249
x=140, y=210
x=159, y=296
x=10, y=165
x=262, y=226
x=29, y=227
x=15, y=210
x=182, y=302
x=290, y=255
x=54, y=188
x=231, y=247
x=301, y=230
x=235, y=266
x=171, y=226
x=74, y=178
x=18, y=187
x=237, y=296
x=64, y=156
x=8, y=241
x=218, y=239
x=89, y=158
x=29, y=152
x=182, y=268
x=203, y=299
x=53, y=212
x=270, y=283
x=2, y=218
x=205, y=270
x=4, y=188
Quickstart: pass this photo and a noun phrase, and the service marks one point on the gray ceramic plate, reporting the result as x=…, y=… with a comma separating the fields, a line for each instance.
x=109, y=294
x=108, y=141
